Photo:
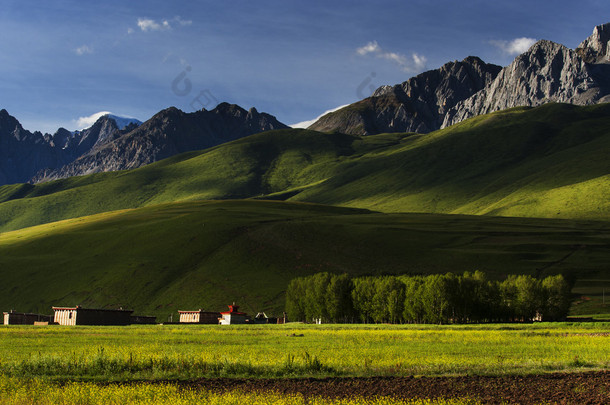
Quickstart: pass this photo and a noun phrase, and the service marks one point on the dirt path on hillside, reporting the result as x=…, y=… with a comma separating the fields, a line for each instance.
x=559, y=388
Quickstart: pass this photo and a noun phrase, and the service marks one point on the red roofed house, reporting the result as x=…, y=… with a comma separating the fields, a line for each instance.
x=232, y=316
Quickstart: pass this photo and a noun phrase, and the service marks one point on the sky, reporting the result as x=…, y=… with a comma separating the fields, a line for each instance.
x=63, y=61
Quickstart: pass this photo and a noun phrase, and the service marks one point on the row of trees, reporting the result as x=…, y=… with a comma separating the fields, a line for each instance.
x=439, y=298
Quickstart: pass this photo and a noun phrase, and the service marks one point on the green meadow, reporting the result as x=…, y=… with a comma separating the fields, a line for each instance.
x=295, y=350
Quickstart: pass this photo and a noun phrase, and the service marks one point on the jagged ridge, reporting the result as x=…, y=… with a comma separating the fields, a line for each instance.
x=167, y=133
x=417, y=105
x=547, y=72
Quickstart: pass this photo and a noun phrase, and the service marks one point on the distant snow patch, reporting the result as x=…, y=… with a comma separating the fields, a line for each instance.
x=121, y=122
x=306, y=124
x=86, y=122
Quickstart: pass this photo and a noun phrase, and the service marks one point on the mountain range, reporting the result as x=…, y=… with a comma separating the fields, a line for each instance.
x=547, y=72
x=115, y=143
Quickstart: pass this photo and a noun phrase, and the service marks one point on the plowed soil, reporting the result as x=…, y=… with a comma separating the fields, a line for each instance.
x=558, y=388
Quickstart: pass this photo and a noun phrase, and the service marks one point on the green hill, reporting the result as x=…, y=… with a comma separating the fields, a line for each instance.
x=192, y=255
x=550, y=161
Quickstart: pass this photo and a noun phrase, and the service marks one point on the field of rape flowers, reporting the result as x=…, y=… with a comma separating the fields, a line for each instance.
x=35, y=392
x=91, y=365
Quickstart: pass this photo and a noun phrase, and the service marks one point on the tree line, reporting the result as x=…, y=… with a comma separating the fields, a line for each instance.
x=438, y=298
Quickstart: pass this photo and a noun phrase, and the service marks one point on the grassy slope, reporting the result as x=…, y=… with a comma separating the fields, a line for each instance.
x=550, y=161
x=193, y=255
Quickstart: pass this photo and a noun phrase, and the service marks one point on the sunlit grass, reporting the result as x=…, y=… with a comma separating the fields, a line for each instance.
x=169, y=352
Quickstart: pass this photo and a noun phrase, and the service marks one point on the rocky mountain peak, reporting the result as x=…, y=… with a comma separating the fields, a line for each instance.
x=8, y=123
x=596, y=48
x=12, y=131
x=547, y=72
x=416, y=105
x=61, y=138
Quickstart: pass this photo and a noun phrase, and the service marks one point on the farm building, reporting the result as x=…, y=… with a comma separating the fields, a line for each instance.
x=20, y=318
x=87, y=316
x=199, y=316
x=232, y=316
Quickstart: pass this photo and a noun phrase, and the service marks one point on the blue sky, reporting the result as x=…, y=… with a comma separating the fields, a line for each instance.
x=64, y=60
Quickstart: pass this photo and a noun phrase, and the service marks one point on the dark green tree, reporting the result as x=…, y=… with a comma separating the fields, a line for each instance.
x=295, y=299
x=362, y=297
x=557, y=298
x=339, y=305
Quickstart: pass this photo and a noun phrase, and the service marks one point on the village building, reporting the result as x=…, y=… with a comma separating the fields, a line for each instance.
x=87, y=316
x=233, y=316
x=199, y=316
x=21, y=318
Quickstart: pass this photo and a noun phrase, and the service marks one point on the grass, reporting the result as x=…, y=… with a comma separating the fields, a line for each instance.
x=159, y=259
x=179, y=352
x=547, y=162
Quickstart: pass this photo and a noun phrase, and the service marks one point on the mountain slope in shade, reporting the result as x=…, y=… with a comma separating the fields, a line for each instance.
x=167, y=133
x=221, y=251
x=23, y=153
x=417, y=105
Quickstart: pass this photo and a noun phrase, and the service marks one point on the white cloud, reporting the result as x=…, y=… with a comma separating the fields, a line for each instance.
x=82, y=50
x=515, y=47
x=305, y=124
x=415, y=63
x=130, y=30
x=147, y=24
x=369, y=48
x=86, y=122
x=182, y=22
x=419, y=61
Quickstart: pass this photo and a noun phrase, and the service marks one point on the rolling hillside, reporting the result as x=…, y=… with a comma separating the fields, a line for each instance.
x=192, y=255
x=550, y=161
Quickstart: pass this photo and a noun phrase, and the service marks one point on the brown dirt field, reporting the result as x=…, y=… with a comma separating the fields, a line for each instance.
x=558, y=388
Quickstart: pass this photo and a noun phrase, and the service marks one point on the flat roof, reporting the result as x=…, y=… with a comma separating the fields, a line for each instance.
x=77, y=308
x=199, y=311
x=23, y=313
